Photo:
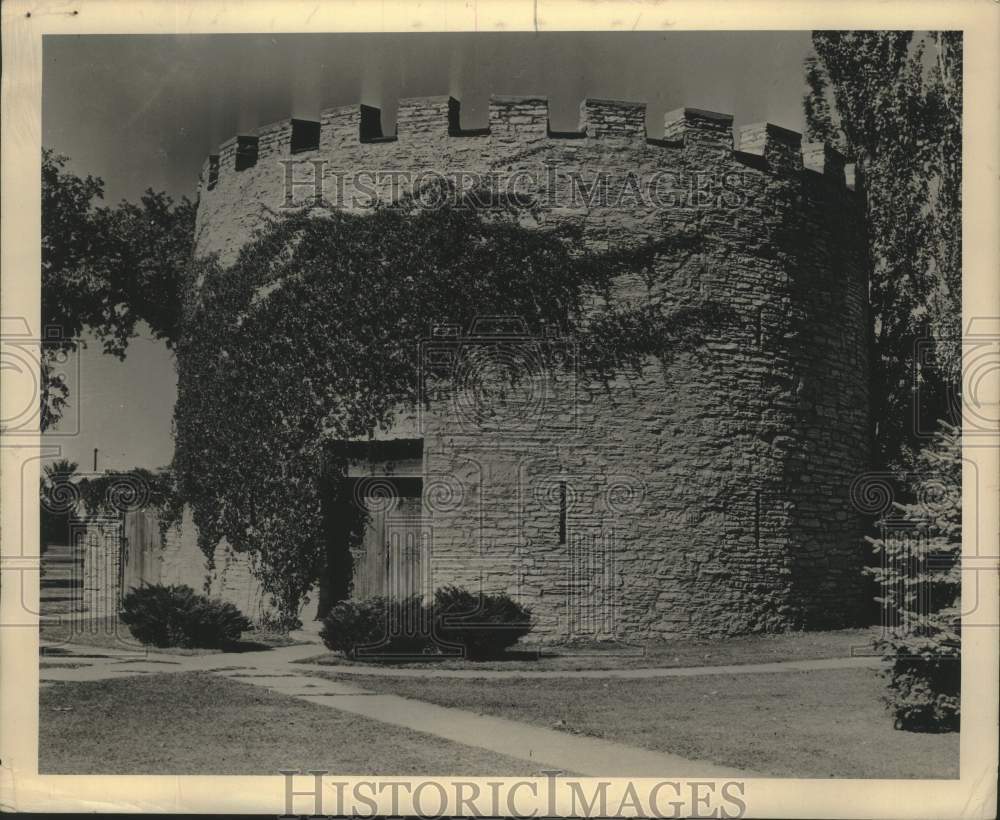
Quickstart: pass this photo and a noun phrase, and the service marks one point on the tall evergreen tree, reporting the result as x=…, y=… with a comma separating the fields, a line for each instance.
x=892, y=102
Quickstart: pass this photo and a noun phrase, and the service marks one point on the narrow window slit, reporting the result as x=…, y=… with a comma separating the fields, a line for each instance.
x=562, y=512
x=756, y=519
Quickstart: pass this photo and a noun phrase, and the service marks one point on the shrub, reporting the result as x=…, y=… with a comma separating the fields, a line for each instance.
x=925, y=684
x=380, y=624
x=178, y=616
x=921, y=576
x=484, y=624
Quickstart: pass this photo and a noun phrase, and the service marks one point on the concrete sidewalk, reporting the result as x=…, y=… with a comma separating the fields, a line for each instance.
x=94, y=663
x=557, y=750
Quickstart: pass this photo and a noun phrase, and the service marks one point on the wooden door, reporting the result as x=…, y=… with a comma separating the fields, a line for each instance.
x=404, y=546
x=391, y=561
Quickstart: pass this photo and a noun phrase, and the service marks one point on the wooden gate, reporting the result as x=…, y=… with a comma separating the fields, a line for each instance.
x=140, y=555
x=393, y=559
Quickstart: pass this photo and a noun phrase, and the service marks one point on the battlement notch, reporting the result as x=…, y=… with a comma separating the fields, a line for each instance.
x=703, y=136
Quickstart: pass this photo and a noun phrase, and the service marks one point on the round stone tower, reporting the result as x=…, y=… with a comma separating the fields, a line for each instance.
x=704, y=495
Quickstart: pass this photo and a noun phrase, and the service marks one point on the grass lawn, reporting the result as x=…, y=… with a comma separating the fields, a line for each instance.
x=746, y=649
x=109, y=633
x=789, y=724
x=196, y=723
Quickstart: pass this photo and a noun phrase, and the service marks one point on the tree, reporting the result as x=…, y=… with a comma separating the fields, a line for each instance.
x=879, y=98
x=59, y=496
x=920, y=574
x=60, y=470
x=894, y=104
x=105, y=269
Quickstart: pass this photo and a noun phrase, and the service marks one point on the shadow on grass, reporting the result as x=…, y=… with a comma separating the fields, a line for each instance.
x=390, y=659
x=64, y=640
x=522, y=655
x=597, y=655
x=252, y=646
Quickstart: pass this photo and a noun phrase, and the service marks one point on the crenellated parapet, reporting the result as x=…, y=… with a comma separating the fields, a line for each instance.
x=517, y=121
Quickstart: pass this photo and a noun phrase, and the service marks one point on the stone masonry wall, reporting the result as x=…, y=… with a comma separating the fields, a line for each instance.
x=707, y=494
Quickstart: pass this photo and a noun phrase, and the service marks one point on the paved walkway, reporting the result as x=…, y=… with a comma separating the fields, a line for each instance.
x=275, y=670
x=95, y=664
x=547, y=747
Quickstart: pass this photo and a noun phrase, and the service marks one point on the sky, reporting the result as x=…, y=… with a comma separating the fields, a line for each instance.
x=143, y=112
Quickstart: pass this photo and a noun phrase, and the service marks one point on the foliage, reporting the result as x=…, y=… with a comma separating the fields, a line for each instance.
x=887, y=105
x=484, y=625
x=897, y=110
x=313, y=336
x=105, y=269
x=269, y=623
x=67, y=497
x=57, y=501
x=59, y=470
x=116, y=491
x=378, y=624
x=920, y=573
x=178, y=616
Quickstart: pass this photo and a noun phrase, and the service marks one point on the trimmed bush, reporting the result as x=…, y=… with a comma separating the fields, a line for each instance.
x=164, y=616
x=480, y=626
x=390, y=625
x=484, y=625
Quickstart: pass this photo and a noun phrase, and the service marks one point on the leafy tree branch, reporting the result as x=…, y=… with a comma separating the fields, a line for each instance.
x=106, y=269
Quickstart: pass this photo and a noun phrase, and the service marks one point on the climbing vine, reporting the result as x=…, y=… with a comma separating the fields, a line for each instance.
x=117, y=491
x=68, y=499
x=313, y=335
